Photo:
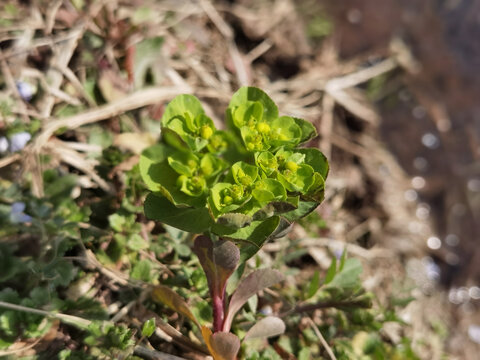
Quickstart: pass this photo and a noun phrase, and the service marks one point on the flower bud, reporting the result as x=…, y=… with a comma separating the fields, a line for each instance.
x=206, y=132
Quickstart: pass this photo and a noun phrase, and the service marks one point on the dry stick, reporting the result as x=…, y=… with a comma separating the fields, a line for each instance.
x=9, y=160
x=322, y=339
x=227, y=32
x=70, y=319
x=62, y=55
x=130, y=102
x=154, y=354
x=259, y=50
x=7, y=74
x=51, y=14
x=326, y=126
x=16, y=351
x=336, y=88
x=352, y=248
x=47, y=41
x=68, y=73
x=82, y=323
x=361, y=76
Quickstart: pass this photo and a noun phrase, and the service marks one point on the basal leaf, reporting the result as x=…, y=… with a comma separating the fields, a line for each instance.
x=219, y=260
x=265, y=328
x=222, y=345
x=249, y=286
x=194, y=220
x=174, y=301
x=256, y=233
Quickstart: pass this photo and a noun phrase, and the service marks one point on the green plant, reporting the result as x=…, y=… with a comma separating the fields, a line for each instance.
x=236, y=189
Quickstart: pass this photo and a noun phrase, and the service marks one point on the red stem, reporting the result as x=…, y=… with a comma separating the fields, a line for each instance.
x=218, y=312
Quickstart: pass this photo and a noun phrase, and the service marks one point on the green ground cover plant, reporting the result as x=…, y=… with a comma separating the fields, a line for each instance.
x=218, y=197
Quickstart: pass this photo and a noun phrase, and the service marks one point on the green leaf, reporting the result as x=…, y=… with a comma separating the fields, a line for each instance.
x=219, y=260
x=117, y=222
x=60, y=272
x=244, y=174
x=9, y=264
x=137, y=243
x=285, y=132
x=314, y=285
x=153, y=155
x=249, y=286
x=185, y=106
x=256, y=233
x=266, y=161
x=349, y=277
x=343, y=259
x=148, y=327
x=168, y=297
x=268, y=190
x=142, y=270
x=316, y=160
x=304, y=208
x=211, y=165
x=332, y=270
x=226, y=197
x=185, y=116
x=187, y=219
x=172, y=186
x=298, y=180
x=248, y=95
x=307, y=128
x=184, y=162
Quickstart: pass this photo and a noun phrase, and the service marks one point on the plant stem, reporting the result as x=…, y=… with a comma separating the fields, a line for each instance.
x=218, y=312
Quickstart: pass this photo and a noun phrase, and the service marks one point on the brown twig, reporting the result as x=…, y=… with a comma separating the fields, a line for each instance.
x=130, y=102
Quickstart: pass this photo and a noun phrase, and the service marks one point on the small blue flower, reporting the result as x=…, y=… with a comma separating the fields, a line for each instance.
x=25, y=90
x=17, y=215
x=19, y=140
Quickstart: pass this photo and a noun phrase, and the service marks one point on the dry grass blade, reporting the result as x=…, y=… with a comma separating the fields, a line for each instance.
x=62, y=54
x=322, y=339
x=134, y=101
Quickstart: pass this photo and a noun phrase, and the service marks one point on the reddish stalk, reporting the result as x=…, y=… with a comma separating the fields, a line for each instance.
x=218, y=313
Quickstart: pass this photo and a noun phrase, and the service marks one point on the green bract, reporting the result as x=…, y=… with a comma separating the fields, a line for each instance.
x=247, y=183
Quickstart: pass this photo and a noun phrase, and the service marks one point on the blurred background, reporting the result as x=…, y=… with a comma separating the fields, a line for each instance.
x=392, y=86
